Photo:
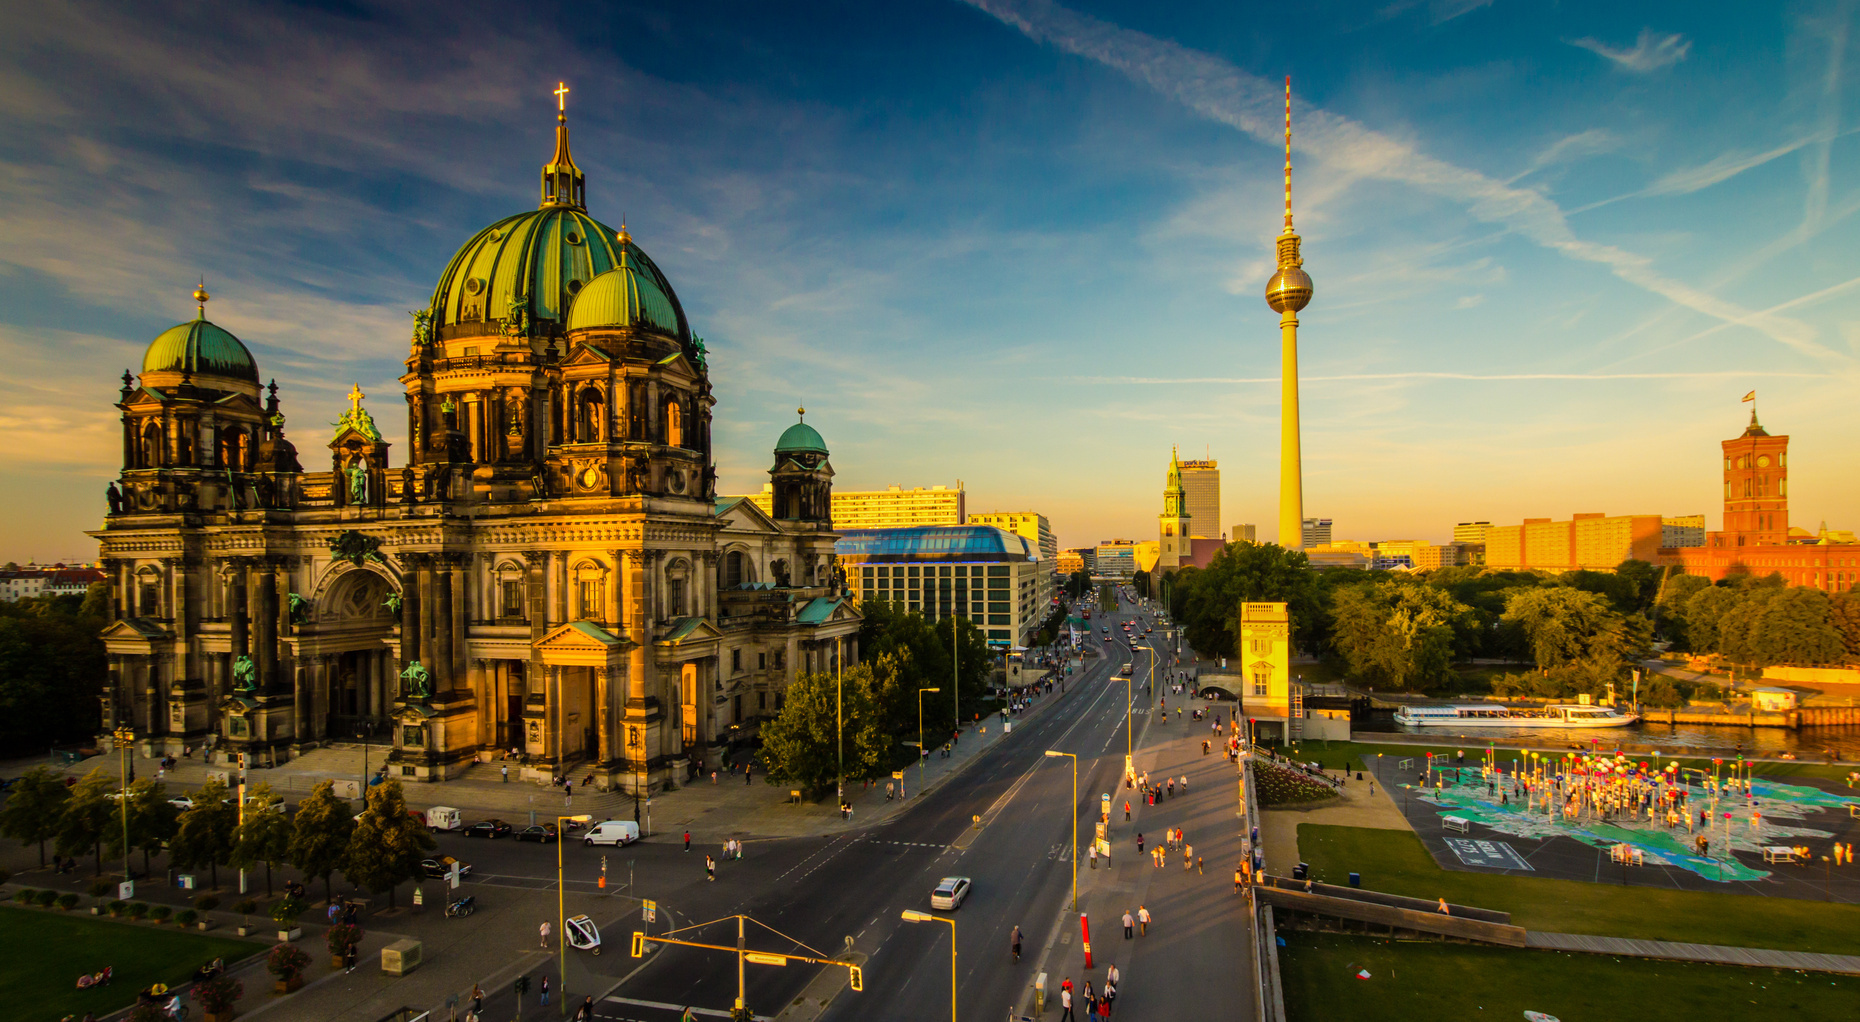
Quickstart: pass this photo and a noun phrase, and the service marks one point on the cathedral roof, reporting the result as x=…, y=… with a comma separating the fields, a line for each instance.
x=200, y=348
x=631, y=294
x=801, y=438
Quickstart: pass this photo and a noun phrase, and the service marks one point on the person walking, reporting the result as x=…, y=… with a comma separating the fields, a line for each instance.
x=1188, y=857
x=710, y=867
x=545, y=989
x=1139, y=842
x=1065, y=1003
x=1184, y=784
x=506, y=770
x=1126, y=810
x=1094, y=856
x=585, y=1013
x=477, y=998
x=543, y=930
x=1199, y=871
x=1130, y=925
x=1143, y=921
x=687, y=840
x=1237, y=880
x=1016, y=942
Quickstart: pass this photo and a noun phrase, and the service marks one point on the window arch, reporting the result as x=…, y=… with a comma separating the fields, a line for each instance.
x=149, y=451
x=738, y=570
x=591, y=590
x=674, y=423
x=590, y=420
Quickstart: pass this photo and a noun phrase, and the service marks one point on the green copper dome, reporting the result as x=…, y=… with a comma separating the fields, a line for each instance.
x=200, y=348
x=541, y=260
x=800, y=438
x=627, y=296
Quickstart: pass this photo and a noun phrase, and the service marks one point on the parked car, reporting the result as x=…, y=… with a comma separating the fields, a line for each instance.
x=439, y=867
x=488, y=828
x=612, y=832
x=949, y=893
x=182, y=802
x=542, y=832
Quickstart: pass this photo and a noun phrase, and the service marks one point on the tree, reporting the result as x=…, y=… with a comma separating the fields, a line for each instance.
x=205, y=834
x=387, y=844
x=1780, y=626
x=1670, y=609
x=1570, y=627
x=1078, y=584
x=801, y=746
x=1141, y=583
x=1207, y=600
x=1844, y=615
x=1400, y=634
x=264, y=836
x=51, y=670
x=87, y=815
x=921, y=654
x=152, y=820
x=320, y=834
x=34, y=808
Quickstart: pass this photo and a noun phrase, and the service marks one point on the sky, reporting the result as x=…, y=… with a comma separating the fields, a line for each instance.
x=1017, y=243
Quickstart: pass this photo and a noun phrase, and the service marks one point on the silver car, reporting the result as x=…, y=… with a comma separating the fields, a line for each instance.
x=949, y=893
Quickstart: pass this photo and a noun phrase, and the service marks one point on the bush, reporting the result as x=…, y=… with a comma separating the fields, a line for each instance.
x=187, y=917
x=287, y=911
x=102, y=888
x=206, y=903
x=118, y=907
x=45, y=898
x=1278, y=786
x=67, y=901
x=246, y=907
x=160, y=913
x=137, y=910
x=287, y=961
x=218, y=994
x=25, y=896
x=343, y=935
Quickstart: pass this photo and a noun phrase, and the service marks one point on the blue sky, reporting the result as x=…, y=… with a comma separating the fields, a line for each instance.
x=1017, y=243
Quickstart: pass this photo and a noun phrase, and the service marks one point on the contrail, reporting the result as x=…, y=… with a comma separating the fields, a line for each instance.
x=1221, y=92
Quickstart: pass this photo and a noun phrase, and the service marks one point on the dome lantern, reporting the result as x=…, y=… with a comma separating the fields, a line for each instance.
x=199, y=352
x=562, y=182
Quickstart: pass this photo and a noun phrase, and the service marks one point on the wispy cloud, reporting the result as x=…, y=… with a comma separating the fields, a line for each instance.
x=1650, y=52
x=1480, y=377
x=1438, y=11
x=1218, y=90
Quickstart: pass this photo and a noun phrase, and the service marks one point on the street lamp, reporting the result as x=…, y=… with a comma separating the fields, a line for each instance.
x=921, y=752
x=635, y=745
x=911, y=915
x=561, y=911
x=124, y=739
x=1075, y=823
x=365, y=728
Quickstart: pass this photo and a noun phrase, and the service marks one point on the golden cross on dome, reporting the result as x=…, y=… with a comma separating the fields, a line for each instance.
x=561, y=97
x=355, y=398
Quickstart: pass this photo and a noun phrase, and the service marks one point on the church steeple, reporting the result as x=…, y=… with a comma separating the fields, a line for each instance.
x=1172, y=525
x=562, y=183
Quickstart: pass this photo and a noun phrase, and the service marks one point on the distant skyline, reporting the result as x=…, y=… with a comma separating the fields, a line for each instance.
x=1019, y=243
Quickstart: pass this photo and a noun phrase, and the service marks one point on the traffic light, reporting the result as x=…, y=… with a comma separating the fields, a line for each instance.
x=523, y=985
x=639, y=944
x=858, y=979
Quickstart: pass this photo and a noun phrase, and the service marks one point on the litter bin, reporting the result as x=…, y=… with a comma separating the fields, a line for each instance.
x=1356, y=880
x=1300, y=871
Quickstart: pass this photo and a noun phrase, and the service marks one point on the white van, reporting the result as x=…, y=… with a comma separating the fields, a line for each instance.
x=612, y=832
x=444, y=818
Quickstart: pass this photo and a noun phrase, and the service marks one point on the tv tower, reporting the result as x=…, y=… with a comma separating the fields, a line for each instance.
x=1288, y=291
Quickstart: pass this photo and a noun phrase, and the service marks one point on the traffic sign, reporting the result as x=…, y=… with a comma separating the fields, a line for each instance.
x=649, y=910
x=758, y=958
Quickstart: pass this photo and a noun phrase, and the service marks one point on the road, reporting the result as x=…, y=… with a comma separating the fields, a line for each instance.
x=819, y=892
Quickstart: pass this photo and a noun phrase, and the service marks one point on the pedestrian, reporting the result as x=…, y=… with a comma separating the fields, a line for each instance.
x=1199, y=871
x=585, y=1013
x=1126, y=810
x=545, y=989
x=477, y=998
x=1143, y=921
x=1065, y=1002
x=1169, y=788
x=1188, y=857
x=687, y=840
x=1017, y=942
x=1091, y=1002
x=1130, y=925
x=747, y=768
x=1184, y=784
x=544, y=931
x=1139, y=842
x=1442, y=909
x=506, y=769
x=1094, y=856
x=568, y=789
x=710, y=868
x=713, y=777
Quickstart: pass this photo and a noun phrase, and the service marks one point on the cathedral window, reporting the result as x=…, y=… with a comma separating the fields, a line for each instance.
x=736, y=661
x=675, y=597
x=589, y=424
x=591, y=600
x=513, y=598
x=674, y=424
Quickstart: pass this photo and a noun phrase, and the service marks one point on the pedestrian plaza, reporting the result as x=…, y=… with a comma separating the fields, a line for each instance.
x=1613, y=818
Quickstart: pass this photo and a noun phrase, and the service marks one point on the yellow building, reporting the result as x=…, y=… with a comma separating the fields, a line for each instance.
x=1593, y=540
x=1201, y=484
x=891, y=508
x=1071, y=562
x=1030, y=525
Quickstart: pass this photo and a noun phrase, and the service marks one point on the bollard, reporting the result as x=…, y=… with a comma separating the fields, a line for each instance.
x=1039, y=994
x=1085, y=930
x=1356, y=880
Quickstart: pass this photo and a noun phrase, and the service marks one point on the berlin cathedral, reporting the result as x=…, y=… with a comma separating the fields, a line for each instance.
x=548, y=568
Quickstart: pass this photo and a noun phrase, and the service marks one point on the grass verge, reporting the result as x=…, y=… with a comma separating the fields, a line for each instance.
x=1395, y=861
x=1420, y=981
x=42, y=953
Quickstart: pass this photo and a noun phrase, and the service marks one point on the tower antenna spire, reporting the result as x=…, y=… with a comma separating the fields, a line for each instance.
x=1288, y=154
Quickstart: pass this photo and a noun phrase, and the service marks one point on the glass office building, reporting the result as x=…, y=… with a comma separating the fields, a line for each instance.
x=991, y=576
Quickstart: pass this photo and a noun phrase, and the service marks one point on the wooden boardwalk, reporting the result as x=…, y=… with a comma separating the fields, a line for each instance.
x=1714, y=954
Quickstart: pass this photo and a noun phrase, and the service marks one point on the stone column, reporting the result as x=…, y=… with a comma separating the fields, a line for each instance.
x=410, y=620
x=636, y=626
x=459, y=570
x=606, y=682
x=443, y=653
x=264, y=600
x=429, y=599
x=238, y=608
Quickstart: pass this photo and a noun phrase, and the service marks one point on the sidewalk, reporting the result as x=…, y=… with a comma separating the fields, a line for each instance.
x=1191, y=963
x=727, y=808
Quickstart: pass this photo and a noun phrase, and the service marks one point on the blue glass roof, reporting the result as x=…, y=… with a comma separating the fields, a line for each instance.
x=936, y=542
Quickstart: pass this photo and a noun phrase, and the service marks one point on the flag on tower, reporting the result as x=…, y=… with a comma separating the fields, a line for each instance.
x=1752, y=396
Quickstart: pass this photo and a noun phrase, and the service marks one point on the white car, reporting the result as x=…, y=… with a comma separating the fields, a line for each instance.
x=950, y=893
x=182, y=802
x=612, y=832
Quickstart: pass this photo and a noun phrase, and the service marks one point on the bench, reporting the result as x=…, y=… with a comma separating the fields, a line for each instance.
x=1777, y=853
x=1458, y=823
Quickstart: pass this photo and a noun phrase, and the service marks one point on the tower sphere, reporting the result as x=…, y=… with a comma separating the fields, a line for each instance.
x=1289, y=290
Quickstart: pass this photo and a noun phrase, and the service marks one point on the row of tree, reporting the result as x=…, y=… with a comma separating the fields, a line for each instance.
x=1581, y=629
x=52, y=668
x=377, y=850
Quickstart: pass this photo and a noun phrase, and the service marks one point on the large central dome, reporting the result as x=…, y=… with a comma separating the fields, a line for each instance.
x=546, y=256
x=540, y=260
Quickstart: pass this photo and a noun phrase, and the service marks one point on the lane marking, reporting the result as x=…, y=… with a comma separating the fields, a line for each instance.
x=662, y=1006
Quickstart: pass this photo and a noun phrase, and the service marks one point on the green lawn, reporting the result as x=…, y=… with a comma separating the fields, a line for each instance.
x=42, y=952
x=1422, y=981
x=1396, y=862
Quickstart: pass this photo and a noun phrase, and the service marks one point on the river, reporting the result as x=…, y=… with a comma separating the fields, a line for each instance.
x=1809, y=742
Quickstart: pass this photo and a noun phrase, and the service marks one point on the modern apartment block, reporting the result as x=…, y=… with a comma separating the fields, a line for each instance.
x=991, y=576
x=891, y=508
x=1201, y=481
x=1317, y=532
x=1470, y=532
x=1029, y=524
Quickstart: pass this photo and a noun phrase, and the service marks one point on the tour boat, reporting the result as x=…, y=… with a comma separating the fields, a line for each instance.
x=1492, y=715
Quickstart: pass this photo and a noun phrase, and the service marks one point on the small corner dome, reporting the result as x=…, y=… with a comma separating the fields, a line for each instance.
x=202, y=349
x=801, y=438
x=627, y=297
